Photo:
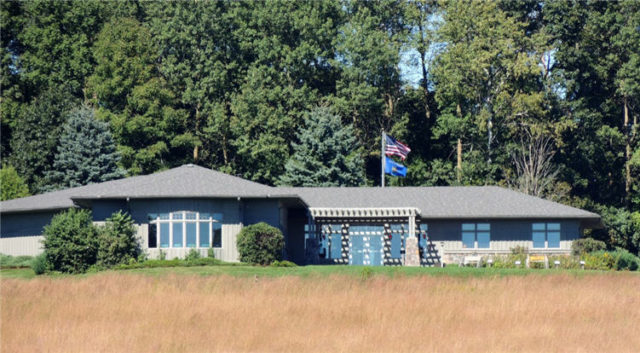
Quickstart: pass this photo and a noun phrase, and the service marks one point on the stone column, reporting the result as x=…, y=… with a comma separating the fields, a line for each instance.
x=412, y=250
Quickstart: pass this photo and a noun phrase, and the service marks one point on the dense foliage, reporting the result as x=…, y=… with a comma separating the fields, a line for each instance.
x=117, y=243
x=73, y=244
x=12, y=184
x=481, y=91
x=327, y=154
x=71, y=241
x=85, y=154
x=260, y=244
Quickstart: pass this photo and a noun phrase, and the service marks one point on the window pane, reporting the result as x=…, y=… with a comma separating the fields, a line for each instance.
x=538, y=226
x=396, y=244
x=191, y=234
x=205, y=215
x=152, y=216
x=468, y=239
x=191, y=215
x=336, y=246
x=217, y=216
x=553, y=226
x=554, y=239
x=484, y=239
x=538, y=239
x=204, y=235
x=164, y=235
x=164, y=216
x=468, y=226
x=177, y=215
x=217, y=235
x=153, y=236
x=177, y=234
x=484, y=226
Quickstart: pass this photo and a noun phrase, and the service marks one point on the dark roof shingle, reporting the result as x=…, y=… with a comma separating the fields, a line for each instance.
x=191, y=181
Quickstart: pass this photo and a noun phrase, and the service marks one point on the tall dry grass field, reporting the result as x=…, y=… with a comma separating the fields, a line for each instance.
x=178, y=313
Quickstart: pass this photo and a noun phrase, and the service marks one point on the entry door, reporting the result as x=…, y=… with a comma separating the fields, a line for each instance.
x=366, y=245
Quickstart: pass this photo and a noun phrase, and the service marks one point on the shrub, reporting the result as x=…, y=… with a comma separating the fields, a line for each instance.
x=15, y=261
x=117, y=243
x=625, y=260
x=193, y=254
x=283, y=263
x=39, y=264
x=519, y=250
x=599, y=260
x=566, y=262
x=509, y=261
x=586, y=245
x=260, y=244
x=211, y=253
x=71, y=242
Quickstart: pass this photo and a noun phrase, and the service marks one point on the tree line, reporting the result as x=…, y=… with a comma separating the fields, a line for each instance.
x=540, y=96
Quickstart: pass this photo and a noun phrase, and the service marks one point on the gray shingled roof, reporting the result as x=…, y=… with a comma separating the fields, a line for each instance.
x=199, y=182
x=441, y=202
x=185, y=181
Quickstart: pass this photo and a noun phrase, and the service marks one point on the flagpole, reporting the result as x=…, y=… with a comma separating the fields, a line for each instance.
x=382, y=159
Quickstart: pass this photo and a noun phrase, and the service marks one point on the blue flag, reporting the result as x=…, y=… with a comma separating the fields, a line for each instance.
x=393, y=168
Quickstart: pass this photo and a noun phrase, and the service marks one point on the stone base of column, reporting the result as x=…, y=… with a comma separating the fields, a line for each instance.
x=412, y=252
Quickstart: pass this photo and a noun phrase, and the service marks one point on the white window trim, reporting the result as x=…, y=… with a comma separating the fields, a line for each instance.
x=211, y=220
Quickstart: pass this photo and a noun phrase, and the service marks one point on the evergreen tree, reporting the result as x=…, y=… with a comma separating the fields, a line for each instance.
x=12, y=184
x=36, y=134
x=327, y=154
x=86, y=153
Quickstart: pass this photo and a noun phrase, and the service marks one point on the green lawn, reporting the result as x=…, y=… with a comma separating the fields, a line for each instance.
x=307, y=271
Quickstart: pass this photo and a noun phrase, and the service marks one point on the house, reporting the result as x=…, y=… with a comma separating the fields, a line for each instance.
x=191, y=207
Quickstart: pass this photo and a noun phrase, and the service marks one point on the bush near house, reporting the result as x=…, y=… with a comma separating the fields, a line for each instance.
x=586, y=245
x=8, y=261
x=73, y=244
x=71, y=241
x=260, y=244
x=117, y=243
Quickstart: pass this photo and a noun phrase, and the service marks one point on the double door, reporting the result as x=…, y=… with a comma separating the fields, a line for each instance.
x=366, y=245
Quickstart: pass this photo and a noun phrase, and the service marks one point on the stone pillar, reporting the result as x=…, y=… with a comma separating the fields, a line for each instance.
x=412, y=250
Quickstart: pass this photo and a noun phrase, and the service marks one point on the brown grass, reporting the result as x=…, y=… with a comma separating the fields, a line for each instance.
x=178, y=313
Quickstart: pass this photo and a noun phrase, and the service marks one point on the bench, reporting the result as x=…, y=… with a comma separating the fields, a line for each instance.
x=468, y=260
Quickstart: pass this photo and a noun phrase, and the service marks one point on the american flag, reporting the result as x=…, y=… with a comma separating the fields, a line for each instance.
x=396, y=148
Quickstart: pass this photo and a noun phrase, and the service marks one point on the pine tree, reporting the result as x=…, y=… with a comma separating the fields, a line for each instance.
x=327, y=154
x=86, y=153
x=37, y=133
x=12, y=184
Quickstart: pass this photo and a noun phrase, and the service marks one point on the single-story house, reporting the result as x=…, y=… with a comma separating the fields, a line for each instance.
x=191, y=207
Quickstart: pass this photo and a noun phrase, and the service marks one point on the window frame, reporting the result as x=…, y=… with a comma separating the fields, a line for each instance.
x=180, y=219
x=474, y=229
x=546, y=230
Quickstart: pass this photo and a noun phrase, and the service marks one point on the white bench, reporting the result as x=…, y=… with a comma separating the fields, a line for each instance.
x=468, y=260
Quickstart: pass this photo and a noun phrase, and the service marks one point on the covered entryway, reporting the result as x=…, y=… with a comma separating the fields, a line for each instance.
x=362, y=236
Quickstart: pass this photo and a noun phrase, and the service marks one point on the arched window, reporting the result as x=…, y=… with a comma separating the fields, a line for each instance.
x=185, y=229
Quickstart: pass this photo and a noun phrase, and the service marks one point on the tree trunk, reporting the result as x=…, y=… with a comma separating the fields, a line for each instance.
x=627, y=179
x=197, y=126
x=459, y=164
x=459, y=148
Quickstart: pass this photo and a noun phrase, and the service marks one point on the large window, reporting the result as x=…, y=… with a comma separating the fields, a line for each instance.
x=476, y=235
x=545, y=235
x=185, y=229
